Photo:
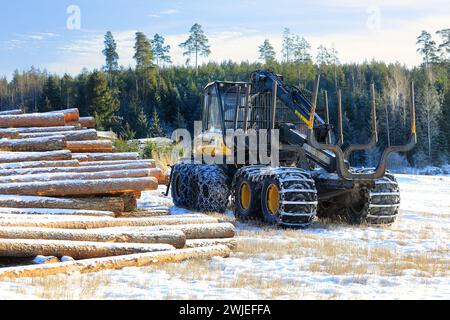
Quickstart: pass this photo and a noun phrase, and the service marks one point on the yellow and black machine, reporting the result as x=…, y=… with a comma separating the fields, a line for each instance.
x=313, y=176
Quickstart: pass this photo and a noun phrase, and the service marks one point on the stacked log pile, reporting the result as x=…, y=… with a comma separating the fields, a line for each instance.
x=65, y=192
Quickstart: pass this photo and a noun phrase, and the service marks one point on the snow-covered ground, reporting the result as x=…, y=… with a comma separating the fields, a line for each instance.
x=410, y=259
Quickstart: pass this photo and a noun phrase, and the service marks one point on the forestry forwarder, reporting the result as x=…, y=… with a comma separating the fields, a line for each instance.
x=315, y=177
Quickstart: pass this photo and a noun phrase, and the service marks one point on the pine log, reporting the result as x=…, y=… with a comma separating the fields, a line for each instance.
x=76, y=135
x=83, y=157
x=32, y=120
x=32, y=171
x=137, y=173
x=175, y=238
x=129, y=201
x=76, y=249
x=197, y=243
x=114, y=204
x=106, y=222
x=113, y=263
x=90, y=146
x=200, y=231
x=12, y=157
x=80, y=187
x=12, y=213
x=37, y=144
x=11, y=112
x=145, y=163
x=37, y=164
x=70, y=115
x=86, y=122
x=13, y=133
x=9, y=133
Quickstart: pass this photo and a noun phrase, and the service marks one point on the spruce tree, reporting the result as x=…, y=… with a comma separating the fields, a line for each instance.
x=102, y=103
x=51, y=95
x=155, y=129
x=110, y=53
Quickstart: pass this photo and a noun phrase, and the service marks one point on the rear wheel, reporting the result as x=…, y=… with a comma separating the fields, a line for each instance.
x=271, y=202
x=247, y=199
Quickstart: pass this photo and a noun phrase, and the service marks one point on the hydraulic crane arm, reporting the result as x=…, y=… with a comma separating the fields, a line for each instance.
x=331, y=157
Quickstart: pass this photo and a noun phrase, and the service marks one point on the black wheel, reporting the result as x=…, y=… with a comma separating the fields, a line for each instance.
x=211, y=189
x=271, y=202
x=182, y=185
x=247, y=199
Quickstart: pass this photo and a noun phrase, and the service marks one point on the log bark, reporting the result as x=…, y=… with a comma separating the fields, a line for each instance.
x=129, y=166
x=32, y=120
x=87, y=122
x=90, y=146
x=83, y=157
x=105, y=222
x=11, y=112
x=198, y=243
x=175, y=238
x=114, y=204
x=138, y=173
x=14, y=212
x=37, y=164
x=80, y=187
x=129, y=201
x=37, y=144
x=42, y=129
x=9, y=134
x=113, y=263
x=70, y=115
x=77, y=135
x=76, y=249
x=203, y=231
x=146, y=163
x=11, y=157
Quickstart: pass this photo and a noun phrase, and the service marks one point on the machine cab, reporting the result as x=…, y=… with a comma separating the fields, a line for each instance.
x=224, y=106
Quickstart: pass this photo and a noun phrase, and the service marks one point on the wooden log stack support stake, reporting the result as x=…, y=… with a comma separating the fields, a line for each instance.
x=65, y=192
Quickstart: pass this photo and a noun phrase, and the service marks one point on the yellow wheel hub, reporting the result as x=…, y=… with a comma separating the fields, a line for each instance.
x=245, y=196
x=273, y=199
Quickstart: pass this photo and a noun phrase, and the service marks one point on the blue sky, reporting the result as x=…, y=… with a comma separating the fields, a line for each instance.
x=36, y=32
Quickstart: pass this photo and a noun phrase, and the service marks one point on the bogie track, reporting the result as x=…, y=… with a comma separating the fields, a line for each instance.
x=287, y=196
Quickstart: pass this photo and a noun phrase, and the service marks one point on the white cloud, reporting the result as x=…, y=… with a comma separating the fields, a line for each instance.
x=166, y=12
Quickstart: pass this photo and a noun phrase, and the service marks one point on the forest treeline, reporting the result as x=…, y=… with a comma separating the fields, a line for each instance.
x=155, y=97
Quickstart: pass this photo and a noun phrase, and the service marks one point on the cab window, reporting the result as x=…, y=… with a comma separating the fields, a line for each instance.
x=214, y=116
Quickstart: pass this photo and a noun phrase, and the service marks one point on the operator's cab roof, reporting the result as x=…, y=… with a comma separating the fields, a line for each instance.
x=225, y=83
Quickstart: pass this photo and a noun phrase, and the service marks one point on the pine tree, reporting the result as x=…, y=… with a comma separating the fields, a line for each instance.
x=301, y=50
x=110, y=53
x=160, y=50
x=101, y=101
x=144, y=65
x=161, y=54
x=427, y=48
x=155, y=129
x=444, y=47
x=323, y=56
x=143, y=52
x=288, y=45
x=267, y=52
x=197, y=44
